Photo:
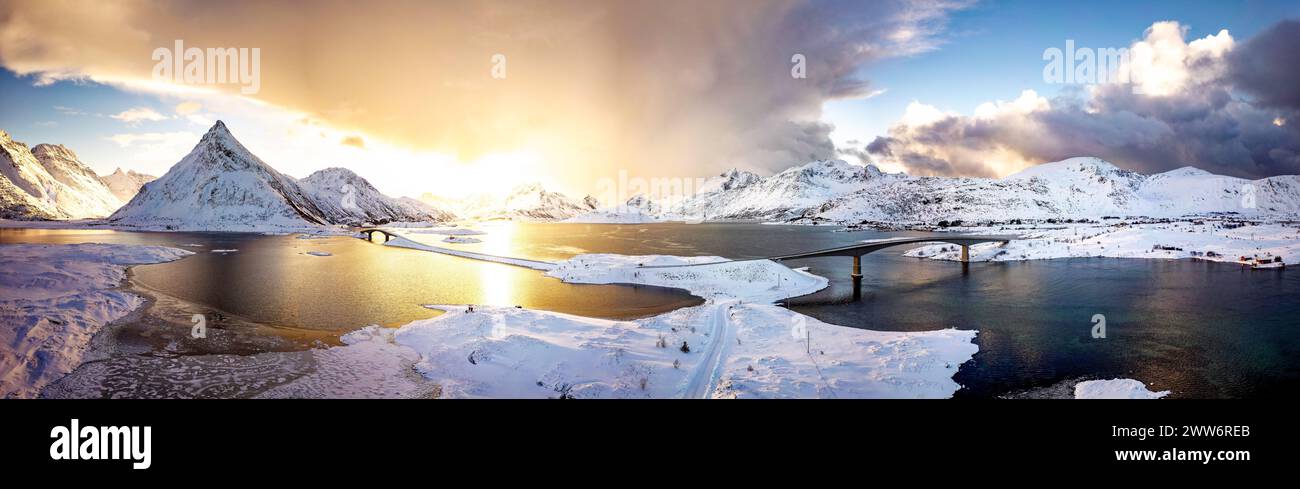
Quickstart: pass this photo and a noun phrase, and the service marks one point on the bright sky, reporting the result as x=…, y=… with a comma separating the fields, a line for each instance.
x=405, y=96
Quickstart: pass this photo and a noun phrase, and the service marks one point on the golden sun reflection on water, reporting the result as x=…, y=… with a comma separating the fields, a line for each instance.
x=497, y=286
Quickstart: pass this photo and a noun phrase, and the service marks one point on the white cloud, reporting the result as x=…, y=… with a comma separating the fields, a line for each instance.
x=1162, y=63
x=135, y=115
x=918, y=114
x=1028, y=102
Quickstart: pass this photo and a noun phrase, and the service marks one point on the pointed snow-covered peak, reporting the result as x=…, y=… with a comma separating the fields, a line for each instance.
x=219, y=136
x=219, y=128
x=220, y=185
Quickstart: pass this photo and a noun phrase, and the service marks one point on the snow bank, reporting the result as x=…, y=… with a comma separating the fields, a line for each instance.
x=736, y=350
x=54, y=298
x=1115, y=389
x=1207, y=240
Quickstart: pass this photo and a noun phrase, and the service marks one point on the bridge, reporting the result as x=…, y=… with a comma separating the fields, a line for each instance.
x=857, y=250
x=370, y=234
x=854, y=250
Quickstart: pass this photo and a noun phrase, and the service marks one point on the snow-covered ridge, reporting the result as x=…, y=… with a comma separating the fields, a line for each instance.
x=49, y=182
x=527, y=202
x=1076, y=188
x=790, y=193
x=343, y=197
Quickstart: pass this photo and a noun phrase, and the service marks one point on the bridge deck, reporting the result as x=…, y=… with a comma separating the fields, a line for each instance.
x=863, y=248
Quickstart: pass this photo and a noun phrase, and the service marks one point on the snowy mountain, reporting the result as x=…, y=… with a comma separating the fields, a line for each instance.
x=1075, y=188
x=21, y=194
x=529, y=202
x=345, y=198
x=790, y=193
x=125, y=185
x=49, y=182
x=220, y=186
x=638, y=209
x=85, y=191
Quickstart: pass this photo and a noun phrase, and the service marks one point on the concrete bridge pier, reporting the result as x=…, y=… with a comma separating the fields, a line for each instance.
x=857, y=277
x=965, y=253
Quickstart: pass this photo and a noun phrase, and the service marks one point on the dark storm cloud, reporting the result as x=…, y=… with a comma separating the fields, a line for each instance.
x=1267, y=66
x=1204, y=122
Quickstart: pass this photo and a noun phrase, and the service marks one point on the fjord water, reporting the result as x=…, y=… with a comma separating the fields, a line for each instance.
x=1199, y=329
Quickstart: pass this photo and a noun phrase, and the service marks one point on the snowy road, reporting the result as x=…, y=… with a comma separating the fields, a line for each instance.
x=704, y=380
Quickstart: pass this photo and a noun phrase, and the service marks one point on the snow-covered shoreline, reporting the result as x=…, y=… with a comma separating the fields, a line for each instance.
x=1220, y=241
x=54, y=299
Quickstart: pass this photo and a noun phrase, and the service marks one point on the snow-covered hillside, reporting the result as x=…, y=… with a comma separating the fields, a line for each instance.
x=788, y=194
x=49, y=182
x=345, y=198
x=85, y=191
x=1075, y=188
x=126, y=184
x=220, y=186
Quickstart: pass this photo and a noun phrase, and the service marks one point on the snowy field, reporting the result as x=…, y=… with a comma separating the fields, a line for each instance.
x=54, y=298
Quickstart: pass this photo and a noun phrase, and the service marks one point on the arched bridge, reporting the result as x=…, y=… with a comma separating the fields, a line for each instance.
x=370, y=234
